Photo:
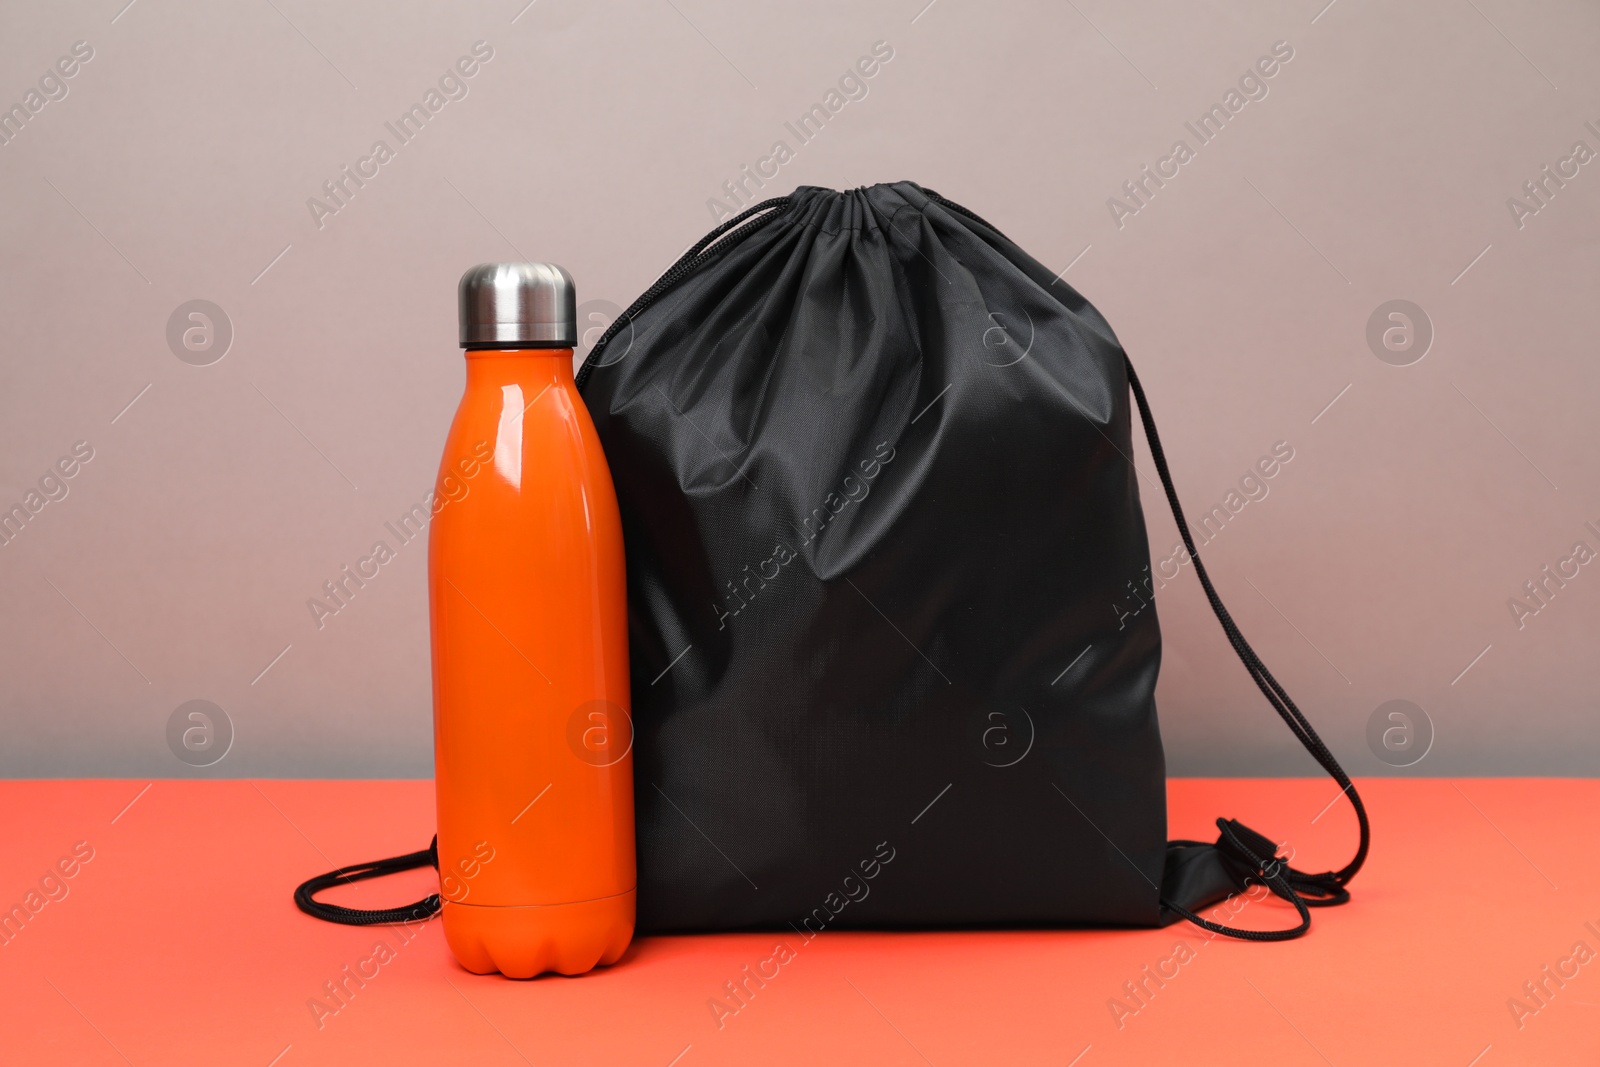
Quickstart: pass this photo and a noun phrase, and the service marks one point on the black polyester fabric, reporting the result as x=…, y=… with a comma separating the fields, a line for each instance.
x=884, y=542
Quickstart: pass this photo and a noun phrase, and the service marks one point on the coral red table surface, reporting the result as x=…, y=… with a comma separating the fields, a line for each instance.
x=1473, y=941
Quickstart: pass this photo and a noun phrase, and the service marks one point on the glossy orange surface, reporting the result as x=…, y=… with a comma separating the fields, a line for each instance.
x=532, y=741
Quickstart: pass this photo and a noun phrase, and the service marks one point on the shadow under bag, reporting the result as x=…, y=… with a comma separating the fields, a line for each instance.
x=892, y=637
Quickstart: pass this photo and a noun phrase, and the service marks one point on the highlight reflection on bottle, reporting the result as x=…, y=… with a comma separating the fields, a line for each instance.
x=532, y=738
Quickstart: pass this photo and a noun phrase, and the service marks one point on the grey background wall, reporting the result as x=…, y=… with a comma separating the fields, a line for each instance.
x=1375, y=165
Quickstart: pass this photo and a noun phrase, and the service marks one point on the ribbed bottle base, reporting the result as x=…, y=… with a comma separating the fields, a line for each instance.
x=521, y=942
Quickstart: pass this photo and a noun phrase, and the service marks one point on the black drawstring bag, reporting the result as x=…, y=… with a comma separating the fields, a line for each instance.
x=894, y=649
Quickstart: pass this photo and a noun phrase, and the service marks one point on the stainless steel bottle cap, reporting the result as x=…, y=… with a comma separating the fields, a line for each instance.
x=518, y=305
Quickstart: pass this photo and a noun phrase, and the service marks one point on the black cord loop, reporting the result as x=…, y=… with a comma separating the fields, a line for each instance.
x=1300, y=889
x=427, y=907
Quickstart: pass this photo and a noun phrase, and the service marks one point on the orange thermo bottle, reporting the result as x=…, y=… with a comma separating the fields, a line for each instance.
x=532, y=736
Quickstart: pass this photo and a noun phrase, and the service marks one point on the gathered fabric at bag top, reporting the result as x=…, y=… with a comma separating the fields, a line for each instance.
x=883, y=529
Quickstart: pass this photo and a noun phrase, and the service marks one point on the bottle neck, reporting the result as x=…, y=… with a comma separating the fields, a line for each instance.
x=495, y=367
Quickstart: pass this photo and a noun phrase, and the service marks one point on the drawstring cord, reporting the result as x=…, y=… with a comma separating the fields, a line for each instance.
x=1251, y=856
x=427, y=907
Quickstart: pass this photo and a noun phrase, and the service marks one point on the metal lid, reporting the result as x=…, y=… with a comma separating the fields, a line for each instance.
x=518, y=305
